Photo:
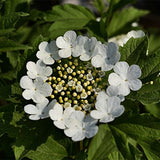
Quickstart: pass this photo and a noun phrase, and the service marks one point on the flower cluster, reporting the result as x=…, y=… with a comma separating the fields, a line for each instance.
x=68, y=84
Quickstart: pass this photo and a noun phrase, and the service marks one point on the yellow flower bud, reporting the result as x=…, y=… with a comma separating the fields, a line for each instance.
x=49, y=83
x=52, y=96
x=59, y=61
x=50, y=78
x=65, y=65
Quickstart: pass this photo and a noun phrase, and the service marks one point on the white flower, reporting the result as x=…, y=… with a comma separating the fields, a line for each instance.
x=41, y=110
x=79, y=126
x=89, y=76
x=79, y=47
x=125, y=78
x=69, y=70
x=67, y=104
x=84, y=95
x=71, y=83
x=66, y=44
x=91, y=47
x=59, y=87
x=79, y=88
x=59, y=116
x=36, y=90
x=107, y=110
x=122, y=39
x=48, y=52
x=38, y=70
x=114, y=91
x=107, y=57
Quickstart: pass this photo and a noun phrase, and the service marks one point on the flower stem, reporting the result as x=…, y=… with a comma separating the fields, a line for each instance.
x=81, y=145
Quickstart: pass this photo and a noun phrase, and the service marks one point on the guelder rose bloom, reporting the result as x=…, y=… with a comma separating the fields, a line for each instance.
x=41, y=110
x=106, y=57
x=66, y=44
x=125, y=78
x=59, y=116
x=122, y=39
x=107, y=109
x=38, y=70
x=68, y=84
x=36, y=90
x=48, y=52
x=79, y=126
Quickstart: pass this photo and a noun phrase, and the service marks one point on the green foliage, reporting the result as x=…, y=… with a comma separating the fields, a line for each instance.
x=68, y=17
x=123, y=137
x=121, y=20
x=50, y=150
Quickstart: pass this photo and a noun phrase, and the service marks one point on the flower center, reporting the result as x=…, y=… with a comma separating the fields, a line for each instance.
x=75, y=84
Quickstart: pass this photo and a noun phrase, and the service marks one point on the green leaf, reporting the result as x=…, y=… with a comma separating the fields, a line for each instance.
x=121, y=138
x=100, y=5
x=10, y=20
x=13, y=57
x=114, y=5
x=150, y=148
x=121, y=19
x=68, y=17
x=134, y=52
x=102, y=144
x=150, y=65
x=10, y=45
x=148, y=94
x=49, y=150
x=154, y=109
x=97, y=29
x=154, y=41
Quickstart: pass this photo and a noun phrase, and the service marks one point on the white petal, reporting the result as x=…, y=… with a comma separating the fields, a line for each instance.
x=107, y=118
x=52, y=104
x=34, y=117
x=114, y=79
x=38, y=98
x=71, y=131
x=121, y=68
x=113, y=103
x=135, y=85
x=61, y=43
x=41, y=55
x=70, y=36
x=27, y=94
x=124, y=89
x=102, y=95
x=118, y=111
x=85, y=57
x=31, y=66
x=112, y=49
x=59, y=124
x=97, y=114
x=112, y=91
x=48, y=60
x=91, y=131
x=31, y=75
x=68, y=111
x=79, y=136
x=65, y=53
x=26, y=83
x=56, y=112
x=134, y=72
x=106, y=67
x=43, y=45
x=30, y=109
x=78, y=115
x=97, y=61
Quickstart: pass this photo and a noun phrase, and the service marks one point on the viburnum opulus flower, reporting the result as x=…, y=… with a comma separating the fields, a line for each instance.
x=68, y=84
